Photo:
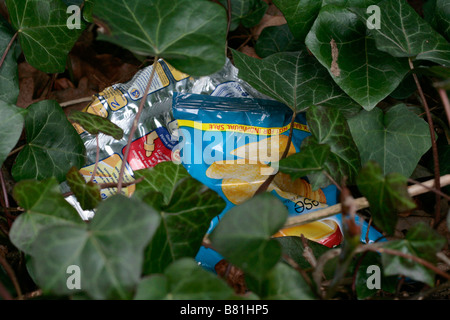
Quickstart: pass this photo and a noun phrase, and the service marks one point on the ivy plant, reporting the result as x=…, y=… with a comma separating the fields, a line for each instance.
x=373, y=130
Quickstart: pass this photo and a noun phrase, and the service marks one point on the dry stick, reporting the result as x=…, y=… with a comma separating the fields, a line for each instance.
x=361, y=203
x=433, y=143
x=76, y=101
x=135, y=124
x=5, y=194
x=262, y=188
x=446, y=196
x=7, y=48
x=445, y=102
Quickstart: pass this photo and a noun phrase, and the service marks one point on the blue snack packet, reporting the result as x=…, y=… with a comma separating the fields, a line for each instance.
x=233, y=144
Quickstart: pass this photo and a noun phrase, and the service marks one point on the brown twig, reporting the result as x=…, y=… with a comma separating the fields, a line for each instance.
x=75, y=101
x=433, y=142
x=446, y=196
x=321, y=262
x=135, y=124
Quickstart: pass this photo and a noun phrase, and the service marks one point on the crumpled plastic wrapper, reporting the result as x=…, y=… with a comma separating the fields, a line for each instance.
x=156, y=134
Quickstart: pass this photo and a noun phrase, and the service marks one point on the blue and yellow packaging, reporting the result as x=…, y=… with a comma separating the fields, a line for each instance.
x=232, y=145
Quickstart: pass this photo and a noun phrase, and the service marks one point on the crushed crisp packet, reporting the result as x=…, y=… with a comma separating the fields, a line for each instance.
x=233, y=144
x=155, y=137
x=228, y=136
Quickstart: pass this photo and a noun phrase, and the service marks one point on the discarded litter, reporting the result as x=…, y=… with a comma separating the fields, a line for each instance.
x=228, y=136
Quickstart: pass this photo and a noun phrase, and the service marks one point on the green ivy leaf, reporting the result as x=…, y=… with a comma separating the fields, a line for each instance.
x=243, y=235
x=162, y=178
x=189, y=34
x=294, y=78
x=87, y=193
x=396, y=140
x=186, y=208
x=403, y=33
x=109, y=250
x=300, y=15
x=9, y=76
x=338, y=40
x=245, y=12
x=11, y=126
x=88, y=8
x=442, y=17
x=311, y=159
x=328, y=126
x=45, y=206
x=420, y=241
x=73, y=2
x=43, y=33
x=53, y=145
x=276, y=39
x=363, y=274
x=94, y=124
x=294, y=248
x=183, y=279
x=282, y=283
x=439, y=72
x=387, y=195
x=436, y=13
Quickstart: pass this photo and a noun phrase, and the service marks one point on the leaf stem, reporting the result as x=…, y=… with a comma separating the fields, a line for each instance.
x=135, y=124
x=332, y=180
x=5, y=194
x=445, y=102
x=8, y=48
x=16, y=150
x=262, y=188
x=433, y=142
x=97, y=158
